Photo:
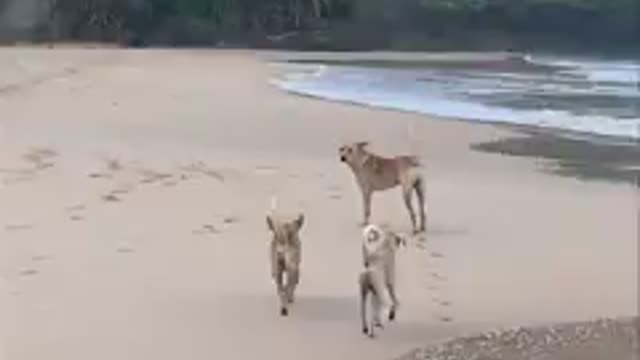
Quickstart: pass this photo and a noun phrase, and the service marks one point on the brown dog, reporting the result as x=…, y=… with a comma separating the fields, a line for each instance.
x=286, y=253
x=376, y=173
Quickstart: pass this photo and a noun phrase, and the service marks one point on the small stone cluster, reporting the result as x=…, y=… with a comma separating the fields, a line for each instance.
x=606, y=337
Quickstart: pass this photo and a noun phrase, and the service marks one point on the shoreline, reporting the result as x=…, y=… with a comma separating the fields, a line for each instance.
x=311, y=75
x=590, y=136
x=579, y=166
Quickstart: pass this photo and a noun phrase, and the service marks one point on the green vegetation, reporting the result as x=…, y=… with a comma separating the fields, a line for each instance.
x=350, y=24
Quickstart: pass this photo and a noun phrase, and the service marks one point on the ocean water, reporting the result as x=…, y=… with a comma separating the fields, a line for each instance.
x=584, y=95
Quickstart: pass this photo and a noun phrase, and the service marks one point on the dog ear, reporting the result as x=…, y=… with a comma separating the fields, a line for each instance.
x=299, y=221
x=270, y=223
x=362, y=144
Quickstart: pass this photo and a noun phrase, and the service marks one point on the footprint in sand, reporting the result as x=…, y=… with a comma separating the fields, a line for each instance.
x=28, y=272
x=14, y=176
x=111, y=198
x=124, y=249
x=18, y=227
x=201, y=168
x=39, y=258
x=213, y=174
x=439, y=276
x=40, y=158
x=99, y=175
x=266, y=170
x=75, y=212
x=206, y=229
x=334, y=192
x=170, y=183
x=230, y=220
x=210, y=228
x=115, y=194
x=122, y=190
x=152, y=176
x=78, y=207
x=441, y=302
x=112, y=165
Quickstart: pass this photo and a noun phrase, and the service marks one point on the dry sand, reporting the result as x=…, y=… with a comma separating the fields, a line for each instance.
x=134, y=186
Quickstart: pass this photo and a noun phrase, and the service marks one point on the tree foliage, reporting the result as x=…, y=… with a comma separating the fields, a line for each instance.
x=212, y=21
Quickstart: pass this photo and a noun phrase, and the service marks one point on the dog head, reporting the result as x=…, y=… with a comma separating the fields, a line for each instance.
x=373, y=238
x=352, y=153
x=285, y=231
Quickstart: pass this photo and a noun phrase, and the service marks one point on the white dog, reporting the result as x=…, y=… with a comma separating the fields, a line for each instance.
x=377, y=280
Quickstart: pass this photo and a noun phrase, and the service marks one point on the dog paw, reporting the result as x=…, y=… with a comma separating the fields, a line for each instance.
x=392, y=315
x=365, y=330
x=284, y=311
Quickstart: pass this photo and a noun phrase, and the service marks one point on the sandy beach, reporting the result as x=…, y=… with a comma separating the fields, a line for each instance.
x=135, y=184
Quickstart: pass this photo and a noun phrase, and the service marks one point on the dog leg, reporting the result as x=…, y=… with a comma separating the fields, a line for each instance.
x=406, y=193
x=293, y=277
x=420, y=192
x=366, y=206
x=280, y=287
x=378, y=309
x=364, y=291
x=380, y=302
x=284, y=302
x=394, y=301
x=275, y=262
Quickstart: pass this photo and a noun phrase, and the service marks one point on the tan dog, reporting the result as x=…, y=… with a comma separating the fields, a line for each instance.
x=377, y=280
x=286, y=252
x=376, y=173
